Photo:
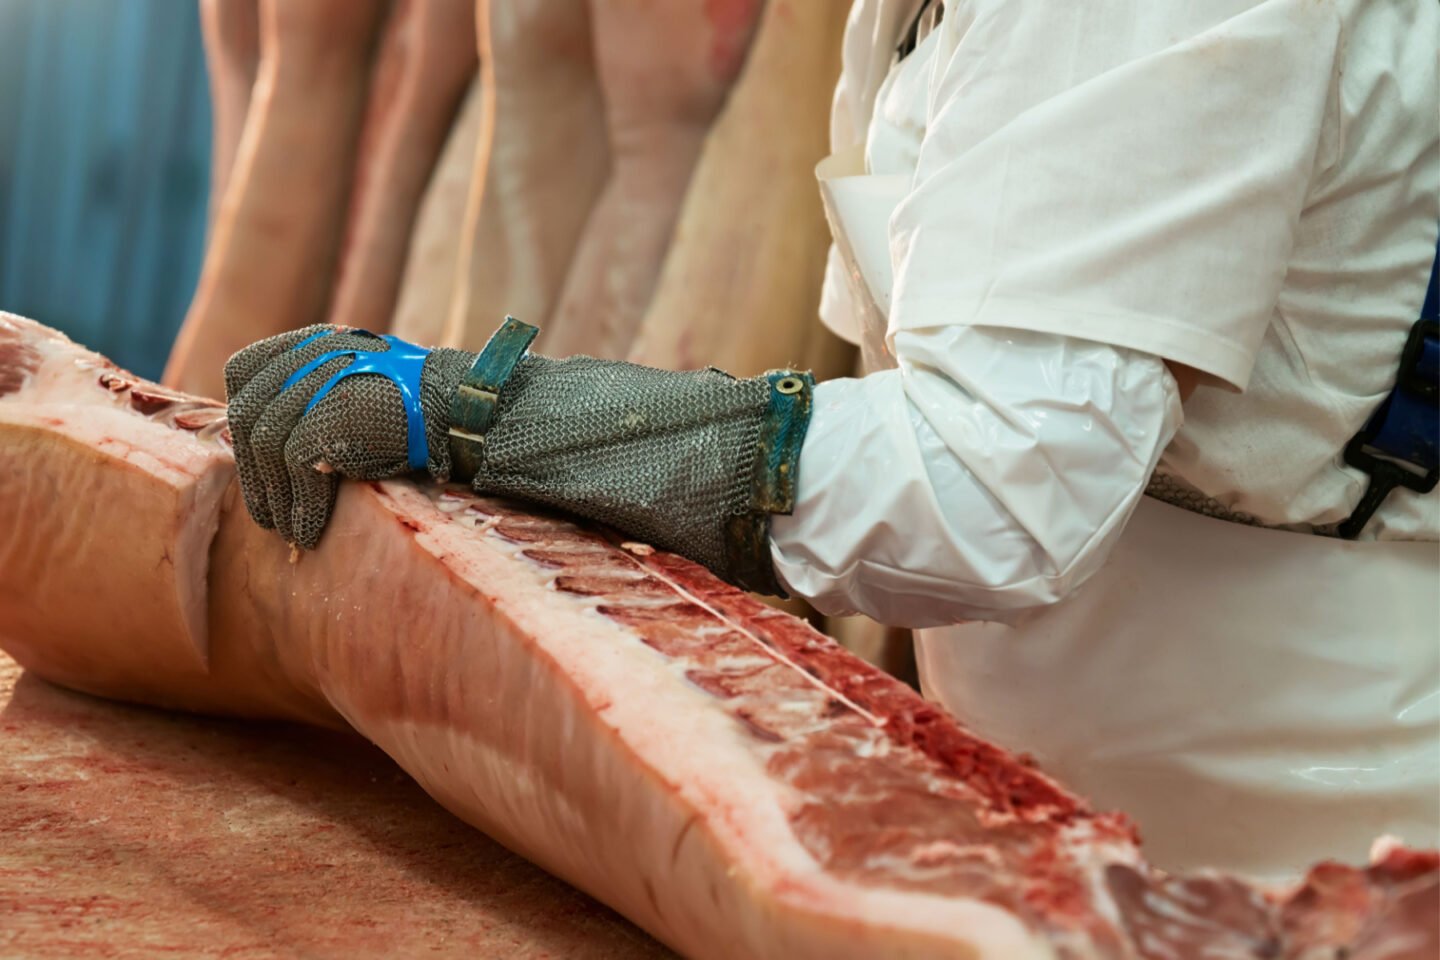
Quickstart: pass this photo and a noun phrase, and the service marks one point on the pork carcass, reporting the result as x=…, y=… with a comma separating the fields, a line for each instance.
x=740, y=286
x=540, y=163
x=426, y=60
x=665, y=70
x=276, y=236
x=230, y=32
x=433, y=260
x=734, y=782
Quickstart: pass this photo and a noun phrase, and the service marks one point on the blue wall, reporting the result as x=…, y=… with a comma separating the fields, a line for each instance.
x=104, y=169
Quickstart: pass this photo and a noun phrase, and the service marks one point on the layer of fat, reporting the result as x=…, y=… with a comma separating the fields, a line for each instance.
x=68, y=373
x=171, y=457
x=151, y=620
x=111, y=458
x=646, y=761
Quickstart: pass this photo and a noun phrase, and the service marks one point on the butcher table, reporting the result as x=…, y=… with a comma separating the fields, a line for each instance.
x=127, y=832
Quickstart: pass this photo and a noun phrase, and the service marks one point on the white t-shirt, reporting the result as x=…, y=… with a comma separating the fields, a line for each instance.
x=1250, y=189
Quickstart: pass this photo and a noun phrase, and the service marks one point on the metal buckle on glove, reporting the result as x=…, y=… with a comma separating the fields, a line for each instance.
x=473, y=406
x=773, y=483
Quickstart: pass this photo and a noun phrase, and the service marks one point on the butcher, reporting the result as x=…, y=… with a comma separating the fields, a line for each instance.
x=1146, y=451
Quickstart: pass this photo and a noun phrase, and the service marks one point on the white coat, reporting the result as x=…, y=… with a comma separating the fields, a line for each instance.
x=1034, y=212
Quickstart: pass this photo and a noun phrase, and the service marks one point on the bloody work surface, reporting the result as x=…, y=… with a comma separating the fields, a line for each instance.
x=127, y=832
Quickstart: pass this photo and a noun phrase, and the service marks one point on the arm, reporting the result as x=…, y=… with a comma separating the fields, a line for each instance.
x=990, y=474
x=1036, y=292
x=707, y=466
x=693, y=462
x=1099, y=186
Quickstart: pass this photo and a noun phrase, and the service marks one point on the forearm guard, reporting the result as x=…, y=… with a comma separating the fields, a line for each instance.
x=693, y=462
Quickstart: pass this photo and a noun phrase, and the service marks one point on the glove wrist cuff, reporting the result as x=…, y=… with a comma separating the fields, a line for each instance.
x=472, y=409
x=772, y=482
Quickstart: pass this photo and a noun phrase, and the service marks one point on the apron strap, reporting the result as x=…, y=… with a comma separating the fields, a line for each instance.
x=1400, y=444
x=912, y=36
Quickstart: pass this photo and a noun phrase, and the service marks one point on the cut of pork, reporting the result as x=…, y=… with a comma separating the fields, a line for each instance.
x=428, y=284
x=541, y=159
x=731, y=780
x=664, y=71
x=424, y=66
x=275, y=238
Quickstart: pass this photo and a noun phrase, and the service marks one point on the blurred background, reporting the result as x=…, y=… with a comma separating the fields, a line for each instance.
x=104, y=168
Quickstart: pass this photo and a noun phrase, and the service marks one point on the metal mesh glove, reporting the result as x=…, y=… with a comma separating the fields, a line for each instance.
x=693, y=462
x=290, y=460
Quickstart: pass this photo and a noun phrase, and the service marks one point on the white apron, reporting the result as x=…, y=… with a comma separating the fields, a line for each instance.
x=1257, y=700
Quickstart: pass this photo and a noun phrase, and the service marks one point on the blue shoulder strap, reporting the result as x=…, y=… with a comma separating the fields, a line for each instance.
x=1400, y=445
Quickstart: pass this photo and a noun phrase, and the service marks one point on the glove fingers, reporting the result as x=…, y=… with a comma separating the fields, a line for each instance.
x=246, y=406
x=271, y=433
x=358, y=428
x=248, y=394
x=253, y=385
x=313, y=495
x=241, y=368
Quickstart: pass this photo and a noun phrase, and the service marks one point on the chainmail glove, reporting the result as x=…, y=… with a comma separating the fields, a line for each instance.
x=693, y=462
x=295, y=436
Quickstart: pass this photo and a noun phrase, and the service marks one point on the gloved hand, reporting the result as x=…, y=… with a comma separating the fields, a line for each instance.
x=693, y=462
x=294, y=440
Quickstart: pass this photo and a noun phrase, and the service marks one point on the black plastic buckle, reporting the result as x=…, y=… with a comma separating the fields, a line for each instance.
x=1386, y=470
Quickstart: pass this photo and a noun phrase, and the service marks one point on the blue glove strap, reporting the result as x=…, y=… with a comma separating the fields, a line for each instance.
x=402, y=364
